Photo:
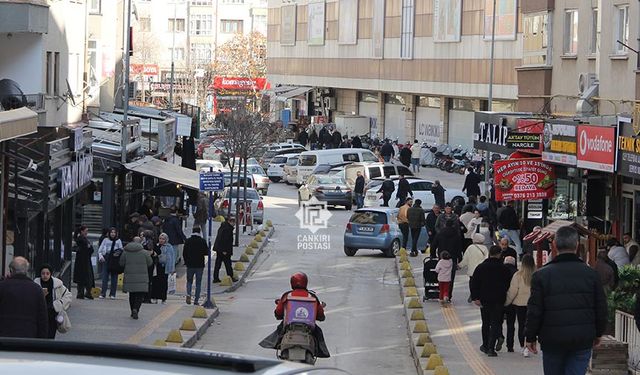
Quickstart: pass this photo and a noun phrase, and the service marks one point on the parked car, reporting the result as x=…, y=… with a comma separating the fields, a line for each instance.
x=377, y=229
x=309, y=160
x=327, y=168
x=248, y=181
x=421, y=190
x=291, y=170
x=270, y=154
x=260, y=179
x=206, y=164
x=374, y=170
x=229, y=197
x=275, y=171
x=285, y=146
x=330, y=189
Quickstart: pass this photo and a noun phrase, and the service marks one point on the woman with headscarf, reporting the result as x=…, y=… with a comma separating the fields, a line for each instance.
x=165, y=266
x=57, y=296
x=108, y=255
x=82, y=268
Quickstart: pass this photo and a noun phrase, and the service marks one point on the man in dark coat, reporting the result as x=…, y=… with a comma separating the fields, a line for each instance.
x=23, y=310
x=356, y=142
x=430, y=222
x=195, y=249
x=471, y=183
x=387, y=188
x=358, y=190
x=404, y=190
x=345, y=142
x=313, y=139
x=82, y=267
x=509, y=221
x=567, y=310
x=303, y=137
x=415, y=215
x=405, y=155
x=223, y=246
x=489, y=285
x=449, y=239
x=387, y=151
x=173, y=228
x=438, y=193
x=336, y=139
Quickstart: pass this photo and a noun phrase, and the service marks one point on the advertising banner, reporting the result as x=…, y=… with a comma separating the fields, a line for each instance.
x=523, y=141
x=523, y=179
x=315, y=21
x=597, y=148
x=628, y=149
x=559, y=141
x=239, y=83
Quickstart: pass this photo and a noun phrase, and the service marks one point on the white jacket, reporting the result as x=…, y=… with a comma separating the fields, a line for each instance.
x=416, y=150
x=105, y=247
x=519, y=292
x=473, y=256
x=61, y=295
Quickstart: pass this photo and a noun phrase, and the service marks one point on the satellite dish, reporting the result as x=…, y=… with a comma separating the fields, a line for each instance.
x=11, y=96
x=70, y=93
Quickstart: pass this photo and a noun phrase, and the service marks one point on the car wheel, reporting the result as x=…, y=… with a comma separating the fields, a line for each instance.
x=393, y=249
x=350, y=251
x=348, y=207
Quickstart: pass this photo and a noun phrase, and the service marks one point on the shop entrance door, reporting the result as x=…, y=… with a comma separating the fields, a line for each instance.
x=627, y=213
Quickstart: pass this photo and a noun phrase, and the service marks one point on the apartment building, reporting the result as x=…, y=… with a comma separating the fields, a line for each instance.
x=417, y=69
x=574, y=57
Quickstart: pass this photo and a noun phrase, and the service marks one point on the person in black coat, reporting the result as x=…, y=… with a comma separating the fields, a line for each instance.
x=358, y=190
x=489, y=285
x=324, y=138
x=356, y=142
x=172, y=226
x=303, y=137
x=449, y=239
x=387, y=188
x=471, y=183
x=82, y=267
x=387, y=151
x=23, y=309
x=404, y=190
x=313, y=139
x=336, y=139
x=223, y=246
x=195, y=250
x=405, y=156
x=438, y=193
x=430, y=222
x=567, y=310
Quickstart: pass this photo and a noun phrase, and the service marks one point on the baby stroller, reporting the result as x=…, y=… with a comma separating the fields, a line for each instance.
x=431, y=290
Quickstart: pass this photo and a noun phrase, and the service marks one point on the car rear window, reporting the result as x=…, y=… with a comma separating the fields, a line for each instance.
x=269, y=154
x=374, y=172
x=389, y=170
x=293, y=161
x=327, y=180
x=279, y=160
x=307, y=160
x=368, y=217
x=369, y=156
x=251, y=194
x=404, y=171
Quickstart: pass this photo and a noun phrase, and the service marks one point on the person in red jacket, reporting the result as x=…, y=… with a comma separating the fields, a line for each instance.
x=299, y=282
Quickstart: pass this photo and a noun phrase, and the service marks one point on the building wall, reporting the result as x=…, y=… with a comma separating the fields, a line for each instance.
x=21, y=61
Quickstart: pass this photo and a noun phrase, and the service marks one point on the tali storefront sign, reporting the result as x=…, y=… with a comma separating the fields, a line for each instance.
x=491, y=132
x=75, y=175
x=597, y=148
x=559, y=142
x=523, y=179
x=628, y=149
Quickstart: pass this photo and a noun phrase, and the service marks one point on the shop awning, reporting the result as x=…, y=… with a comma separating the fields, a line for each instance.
x=166, y=171
x=17, y=123
x=293, y=93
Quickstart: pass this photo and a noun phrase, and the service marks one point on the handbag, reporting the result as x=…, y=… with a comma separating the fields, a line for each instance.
x=171, y=284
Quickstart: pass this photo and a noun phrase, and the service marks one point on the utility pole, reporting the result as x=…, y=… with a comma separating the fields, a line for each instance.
x=487, y=162
x=173, y=54
x=125, y=97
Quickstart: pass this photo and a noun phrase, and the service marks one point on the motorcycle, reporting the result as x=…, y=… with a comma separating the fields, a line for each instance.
x=299, y=342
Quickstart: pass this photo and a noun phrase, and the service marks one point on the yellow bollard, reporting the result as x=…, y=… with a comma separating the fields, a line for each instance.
x=269, y=223
x=441, y=370
x=424, y=338
x=405, y=266
x=258, y=238
x=411, y=292
x=226, y=281
x=188, y=325
x=159, y=343
x=174, y=336
x=420, y=327
x=407, y=273
x=427, y=350
x=417, y=315
x=244, y=258
x=409, y=281
x=414, y=303
x=403, y=258
x=402, y=252
x=200, y=313
x=238, y=266
x=249, y=251
x=434, y=361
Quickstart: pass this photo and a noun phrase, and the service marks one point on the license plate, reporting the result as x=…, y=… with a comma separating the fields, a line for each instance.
x=365, y=229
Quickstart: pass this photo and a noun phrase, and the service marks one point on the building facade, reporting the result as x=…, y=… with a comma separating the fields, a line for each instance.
x=417, y=69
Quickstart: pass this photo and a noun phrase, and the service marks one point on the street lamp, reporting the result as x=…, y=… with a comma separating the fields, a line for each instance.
x=487, y=163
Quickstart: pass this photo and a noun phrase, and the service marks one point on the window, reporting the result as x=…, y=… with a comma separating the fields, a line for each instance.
x=406, y=36
x=231, y=26
x=145, y=23
x=176, y=24
x=92, y=52
x=369, y=97
x=429, y=101
x=404, y=171
x=350, y=157
x=94, y=6
x=307, y=160
x=369, y=156
x=178, y=53
x=421, y=186
x=201, y=2
x=374, y=172
x=536, y=39
x=201, y=24
x=49, y=73
x=622, y=29
x=201, y=52
x=232, y=1
x=394, y=99
x=389, y=170
x=56, y=73
x=571, y=32
x=465, y=104
x=595, y=32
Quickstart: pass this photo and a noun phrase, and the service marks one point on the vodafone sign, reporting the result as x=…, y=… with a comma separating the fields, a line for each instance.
x=597, y=148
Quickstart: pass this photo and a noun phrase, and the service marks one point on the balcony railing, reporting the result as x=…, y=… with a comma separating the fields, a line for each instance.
x=627, y=332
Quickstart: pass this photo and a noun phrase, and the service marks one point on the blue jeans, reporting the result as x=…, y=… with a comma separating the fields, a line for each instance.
x=359, y=200
x=105, y=281
x=198, y=273
x=514, y=236
x=386, y=158
x=566, y=363
x=415, y=164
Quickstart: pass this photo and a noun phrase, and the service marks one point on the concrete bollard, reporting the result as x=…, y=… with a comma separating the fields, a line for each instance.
x=174, y=336
x=409, y=281
x=269, y=223
x=159, y=343
x=238, y=266
x=405, y=266
x=402, y=252
x=441, y=370
x=411, y=292
x=427, y=350
x=423, y=339
x=414, y=303
x=434, y=361
x=244, y=258
x=258, y=238
x=420, y=327
x=226, y=281
x=417, y=315
x=407, y=273
x=249, y=251
x=188, y=325
x=200, y=312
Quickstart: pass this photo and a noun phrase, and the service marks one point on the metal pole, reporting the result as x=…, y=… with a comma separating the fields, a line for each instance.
x=487, y=164
x=125, y=96
x=173, y=53
x=209, y=304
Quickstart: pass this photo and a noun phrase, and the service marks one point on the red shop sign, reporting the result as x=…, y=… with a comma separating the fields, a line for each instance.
x=523, y=179
x=147, y=70
x=597, y=148
x=531, y=126
x=239, y=83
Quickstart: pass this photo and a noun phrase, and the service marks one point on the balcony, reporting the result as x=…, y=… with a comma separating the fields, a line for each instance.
x=24, y=16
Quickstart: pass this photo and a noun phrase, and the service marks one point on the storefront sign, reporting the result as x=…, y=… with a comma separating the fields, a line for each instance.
x=523, y=179
x=145, y=69
x=559, y=140
x=523, y=141
x=628, y=149
x=75, y=175
x=597, y=148
x=491, y=130
x=239, y=83
x=430, y=133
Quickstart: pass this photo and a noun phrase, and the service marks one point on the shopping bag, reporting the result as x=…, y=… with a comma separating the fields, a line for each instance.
x=64, y=324
x=171, y=284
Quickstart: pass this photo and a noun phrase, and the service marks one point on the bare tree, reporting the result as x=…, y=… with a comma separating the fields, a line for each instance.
x=147, y=51
x=243, y=56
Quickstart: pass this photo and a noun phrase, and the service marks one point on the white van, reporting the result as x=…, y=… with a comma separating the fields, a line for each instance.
x=309, y=160
x=373, y=170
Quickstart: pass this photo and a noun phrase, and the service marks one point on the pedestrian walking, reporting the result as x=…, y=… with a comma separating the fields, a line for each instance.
x=438, y=193
x=82, y=267
x=491, y=280
x=517, y=297
x=313, y=139
x=404, y=190
x=403, y=221
x=387, y=188
x=405, y=155
x=195, y=249
x=507, y=251
x=472, y=183
x=447, y=215
x=617, y=253
x=201, y=215
x=358, y=190
x=23, y=309
x=303, y=137
x=131, y=228
x=108, y=256
x=223, y=246
x=165, y=266
x=356, y=142
x=509, y=222
x=475, y=254
x=605, y=272
x=416, y=219
x=136, y=261
x=173, y=228
x=444, y=269
x=56, y=295
x=449, y=239
x=430, y=222
x=465, y=220
x=416, y=151
x=570, y=320
x=387, y=151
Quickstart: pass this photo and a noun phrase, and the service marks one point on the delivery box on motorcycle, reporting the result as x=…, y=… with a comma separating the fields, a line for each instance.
x=300, y=310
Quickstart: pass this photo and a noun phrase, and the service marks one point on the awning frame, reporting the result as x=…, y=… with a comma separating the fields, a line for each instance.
x=163, y=170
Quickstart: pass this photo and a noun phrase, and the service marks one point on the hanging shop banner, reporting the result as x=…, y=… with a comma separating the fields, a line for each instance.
x=628, y=148
x=239, y=83
x=597, y=148
x=491, y=130
x=523, y=179
x=559, y=141
x=531, y=126
x=523, y=141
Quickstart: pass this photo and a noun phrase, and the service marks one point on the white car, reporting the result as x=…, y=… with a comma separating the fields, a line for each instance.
x=284, y=146
x=421, y=190
x=291, y=170
x=260, y=179
x=206, y=164
x=275, y=170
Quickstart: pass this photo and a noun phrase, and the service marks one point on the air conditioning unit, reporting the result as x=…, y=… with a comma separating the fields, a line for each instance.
x=330, y=103
x=133, y=89
x=586, y=80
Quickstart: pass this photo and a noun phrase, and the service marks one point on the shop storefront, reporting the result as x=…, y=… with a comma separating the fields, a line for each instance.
x=394, y=118
x=429, y=126
x=629, y=177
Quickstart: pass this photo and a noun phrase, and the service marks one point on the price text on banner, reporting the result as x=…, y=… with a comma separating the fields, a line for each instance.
x=523, y=179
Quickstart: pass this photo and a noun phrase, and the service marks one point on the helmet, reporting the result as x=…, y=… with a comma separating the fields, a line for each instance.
x=299, y=280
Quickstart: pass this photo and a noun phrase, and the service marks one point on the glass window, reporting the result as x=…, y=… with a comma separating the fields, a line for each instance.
x=144, y=23
x=595, y=32
x=622, y=28
x=292, y=161
x=330, y=180
x=503, y=106
x=421, y=186
x=368, y=217
x=56, y=73
x=231, y=26
x=571, y=32
x=394, y=99
x=369, y=97
x=307, y=160
x=369, y=156
x=233, y=1
x=406, y=35
x=251, y=194
x=565, y=204
x=404, y=171
x=201, y=52
x=429, y=101
x=201, y=24
x=536, y=39
x=176, y=24
x=92, y=52
x=389, y=170
x=178, y=53
x=201, y=2
x=374, y=172
x=94, y=6
x=350, y=157
x=49, y=73
x=279, y=160
x=465, y=104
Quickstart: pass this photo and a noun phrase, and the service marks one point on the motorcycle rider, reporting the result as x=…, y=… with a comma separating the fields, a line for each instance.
x=299, y=282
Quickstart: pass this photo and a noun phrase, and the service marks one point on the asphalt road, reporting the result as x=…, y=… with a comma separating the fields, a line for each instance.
x=365, y=330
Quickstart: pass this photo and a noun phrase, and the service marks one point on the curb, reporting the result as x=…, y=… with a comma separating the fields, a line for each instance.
x=202, y=327
x=252, y=263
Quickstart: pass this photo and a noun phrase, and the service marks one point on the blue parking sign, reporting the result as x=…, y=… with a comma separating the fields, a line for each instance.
x=211, y=181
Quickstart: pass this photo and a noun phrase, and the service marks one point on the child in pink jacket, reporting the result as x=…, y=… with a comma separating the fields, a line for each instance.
x=443, y=269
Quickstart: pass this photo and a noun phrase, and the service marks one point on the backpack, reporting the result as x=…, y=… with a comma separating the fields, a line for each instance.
x=113, y=262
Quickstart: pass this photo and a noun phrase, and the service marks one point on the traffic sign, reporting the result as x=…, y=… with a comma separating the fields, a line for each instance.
x=211, y=181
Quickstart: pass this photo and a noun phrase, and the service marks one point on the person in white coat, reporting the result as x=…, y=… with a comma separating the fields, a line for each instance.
x=110, y=245
x=57, y=296
x=475, y=254
x=416, y=150
x=518, y=296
